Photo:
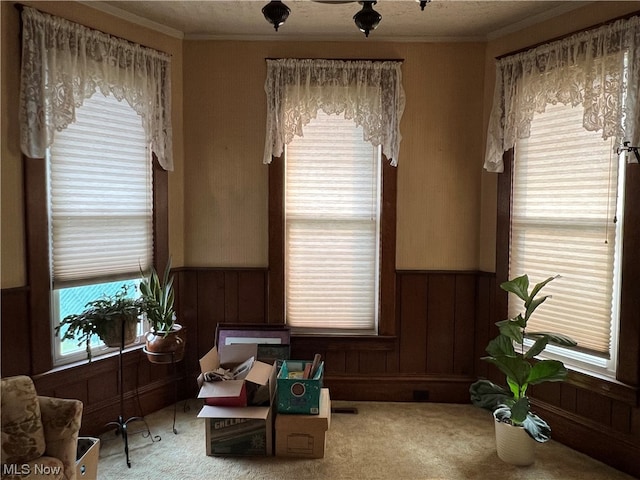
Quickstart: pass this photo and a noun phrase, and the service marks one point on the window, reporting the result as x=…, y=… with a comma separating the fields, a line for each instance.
x=370, y=95
x=567, y=219
x=332, y=228
x=100, y=208
x=64, y=63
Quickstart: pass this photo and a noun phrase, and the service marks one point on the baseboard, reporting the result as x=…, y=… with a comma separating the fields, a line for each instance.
x=617, y=449
x=400, y=388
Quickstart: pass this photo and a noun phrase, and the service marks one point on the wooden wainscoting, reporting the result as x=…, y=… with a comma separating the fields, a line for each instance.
x=16, y=358
x=443, y=322
x=432, y=357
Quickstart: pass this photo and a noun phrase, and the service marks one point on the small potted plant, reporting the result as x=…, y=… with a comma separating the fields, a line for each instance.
x=510, y=406
x=104, y=317
x=165, y=341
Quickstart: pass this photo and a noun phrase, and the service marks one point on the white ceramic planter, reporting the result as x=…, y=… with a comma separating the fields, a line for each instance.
x=514, y=445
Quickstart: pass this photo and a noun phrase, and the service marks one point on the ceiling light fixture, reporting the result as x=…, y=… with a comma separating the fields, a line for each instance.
x=276, y=13
x=366, y=19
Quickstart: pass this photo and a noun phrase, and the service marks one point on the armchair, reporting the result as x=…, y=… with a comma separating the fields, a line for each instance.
x=39, y=434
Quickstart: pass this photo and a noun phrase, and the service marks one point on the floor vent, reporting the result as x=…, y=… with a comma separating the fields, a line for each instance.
x=344, y=410
x=421, y=395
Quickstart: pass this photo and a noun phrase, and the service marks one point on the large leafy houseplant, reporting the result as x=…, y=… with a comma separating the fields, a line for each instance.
x=165, y=342
x=507, y=352
x=157, y=300
x=105, y=317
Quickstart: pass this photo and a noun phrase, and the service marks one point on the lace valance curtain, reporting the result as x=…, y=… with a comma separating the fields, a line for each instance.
x=64, y=63
x=597, y=69
x=369, y=92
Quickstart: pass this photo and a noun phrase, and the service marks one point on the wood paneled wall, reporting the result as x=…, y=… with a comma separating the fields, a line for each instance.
x=443, y=323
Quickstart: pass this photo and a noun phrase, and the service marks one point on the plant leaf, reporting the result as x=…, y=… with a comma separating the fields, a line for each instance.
x=537, y=428
x=539, y=286
x=533, y=304
x=517, y=369
x=486, y=394
x=547, y=371
x=511, y=329
x=555, y=338
x=518, y=286
x=502, y=413
x=501, y=346
x=537, y=347
x=519, y=411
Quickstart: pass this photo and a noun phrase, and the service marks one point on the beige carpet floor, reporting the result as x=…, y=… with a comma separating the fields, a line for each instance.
x=394, y=441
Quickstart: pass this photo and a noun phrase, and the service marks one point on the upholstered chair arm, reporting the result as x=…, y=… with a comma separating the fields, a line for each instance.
x=61, y=419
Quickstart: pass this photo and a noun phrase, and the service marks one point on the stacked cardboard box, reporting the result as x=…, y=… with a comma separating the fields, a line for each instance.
x=304, y=435
x=242, y=413
x=238, y=413
x=299, y=391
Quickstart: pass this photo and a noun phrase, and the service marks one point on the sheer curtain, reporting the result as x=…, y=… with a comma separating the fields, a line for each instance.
x=598, y=69
x=64, y=63
x=369, y=92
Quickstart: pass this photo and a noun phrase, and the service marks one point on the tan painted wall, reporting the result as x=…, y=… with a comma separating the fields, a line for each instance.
x=226, y=221
x=218, y=192
x=13, y=268
x=573, y=21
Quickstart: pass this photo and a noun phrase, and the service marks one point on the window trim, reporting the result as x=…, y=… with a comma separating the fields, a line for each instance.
x=628, y=368
x=37, y=250
x=387, y=325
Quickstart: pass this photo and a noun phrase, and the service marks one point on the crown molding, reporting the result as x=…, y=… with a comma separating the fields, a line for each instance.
x=535, y=19
x=341, y=39
x=130, y=17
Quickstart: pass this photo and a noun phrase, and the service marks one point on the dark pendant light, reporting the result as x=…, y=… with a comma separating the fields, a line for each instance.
x=367, y=19
x=276, y=13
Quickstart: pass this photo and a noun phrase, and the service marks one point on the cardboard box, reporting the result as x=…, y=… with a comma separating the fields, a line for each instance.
x=250, y=388
x=87, y=458
x=234, y=431
x=296, y=394
x=241, y=430
x=304, y=435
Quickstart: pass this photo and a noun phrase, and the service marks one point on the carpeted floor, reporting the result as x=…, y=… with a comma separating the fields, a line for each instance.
x=398, y=441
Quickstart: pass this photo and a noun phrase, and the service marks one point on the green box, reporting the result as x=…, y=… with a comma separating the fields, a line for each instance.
x=299, y=395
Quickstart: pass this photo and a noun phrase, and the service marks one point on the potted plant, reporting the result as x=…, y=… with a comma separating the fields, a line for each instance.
x=165, y=341
x=510, y=406
x=104, y=317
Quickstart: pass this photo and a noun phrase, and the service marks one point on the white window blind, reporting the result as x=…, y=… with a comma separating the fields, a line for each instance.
x=100, y=195
x=564, y=198
x=332, y=198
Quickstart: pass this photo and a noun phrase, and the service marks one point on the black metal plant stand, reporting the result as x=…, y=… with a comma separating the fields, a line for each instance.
x=175, y=379
x=121, y=423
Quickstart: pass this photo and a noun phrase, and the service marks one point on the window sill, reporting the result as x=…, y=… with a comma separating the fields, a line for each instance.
x=97, y=364
x=605, y=386
x=346, y=342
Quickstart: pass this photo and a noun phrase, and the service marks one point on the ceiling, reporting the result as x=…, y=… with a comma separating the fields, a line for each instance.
x=402, y=20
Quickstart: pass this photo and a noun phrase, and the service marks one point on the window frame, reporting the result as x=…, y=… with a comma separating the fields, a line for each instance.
x=628, y=354
x=387, y=292
x=38, y=259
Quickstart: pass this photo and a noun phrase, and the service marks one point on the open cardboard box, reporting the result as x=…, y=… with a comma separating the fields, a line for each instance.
x=253, y=387
x=238, y=430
